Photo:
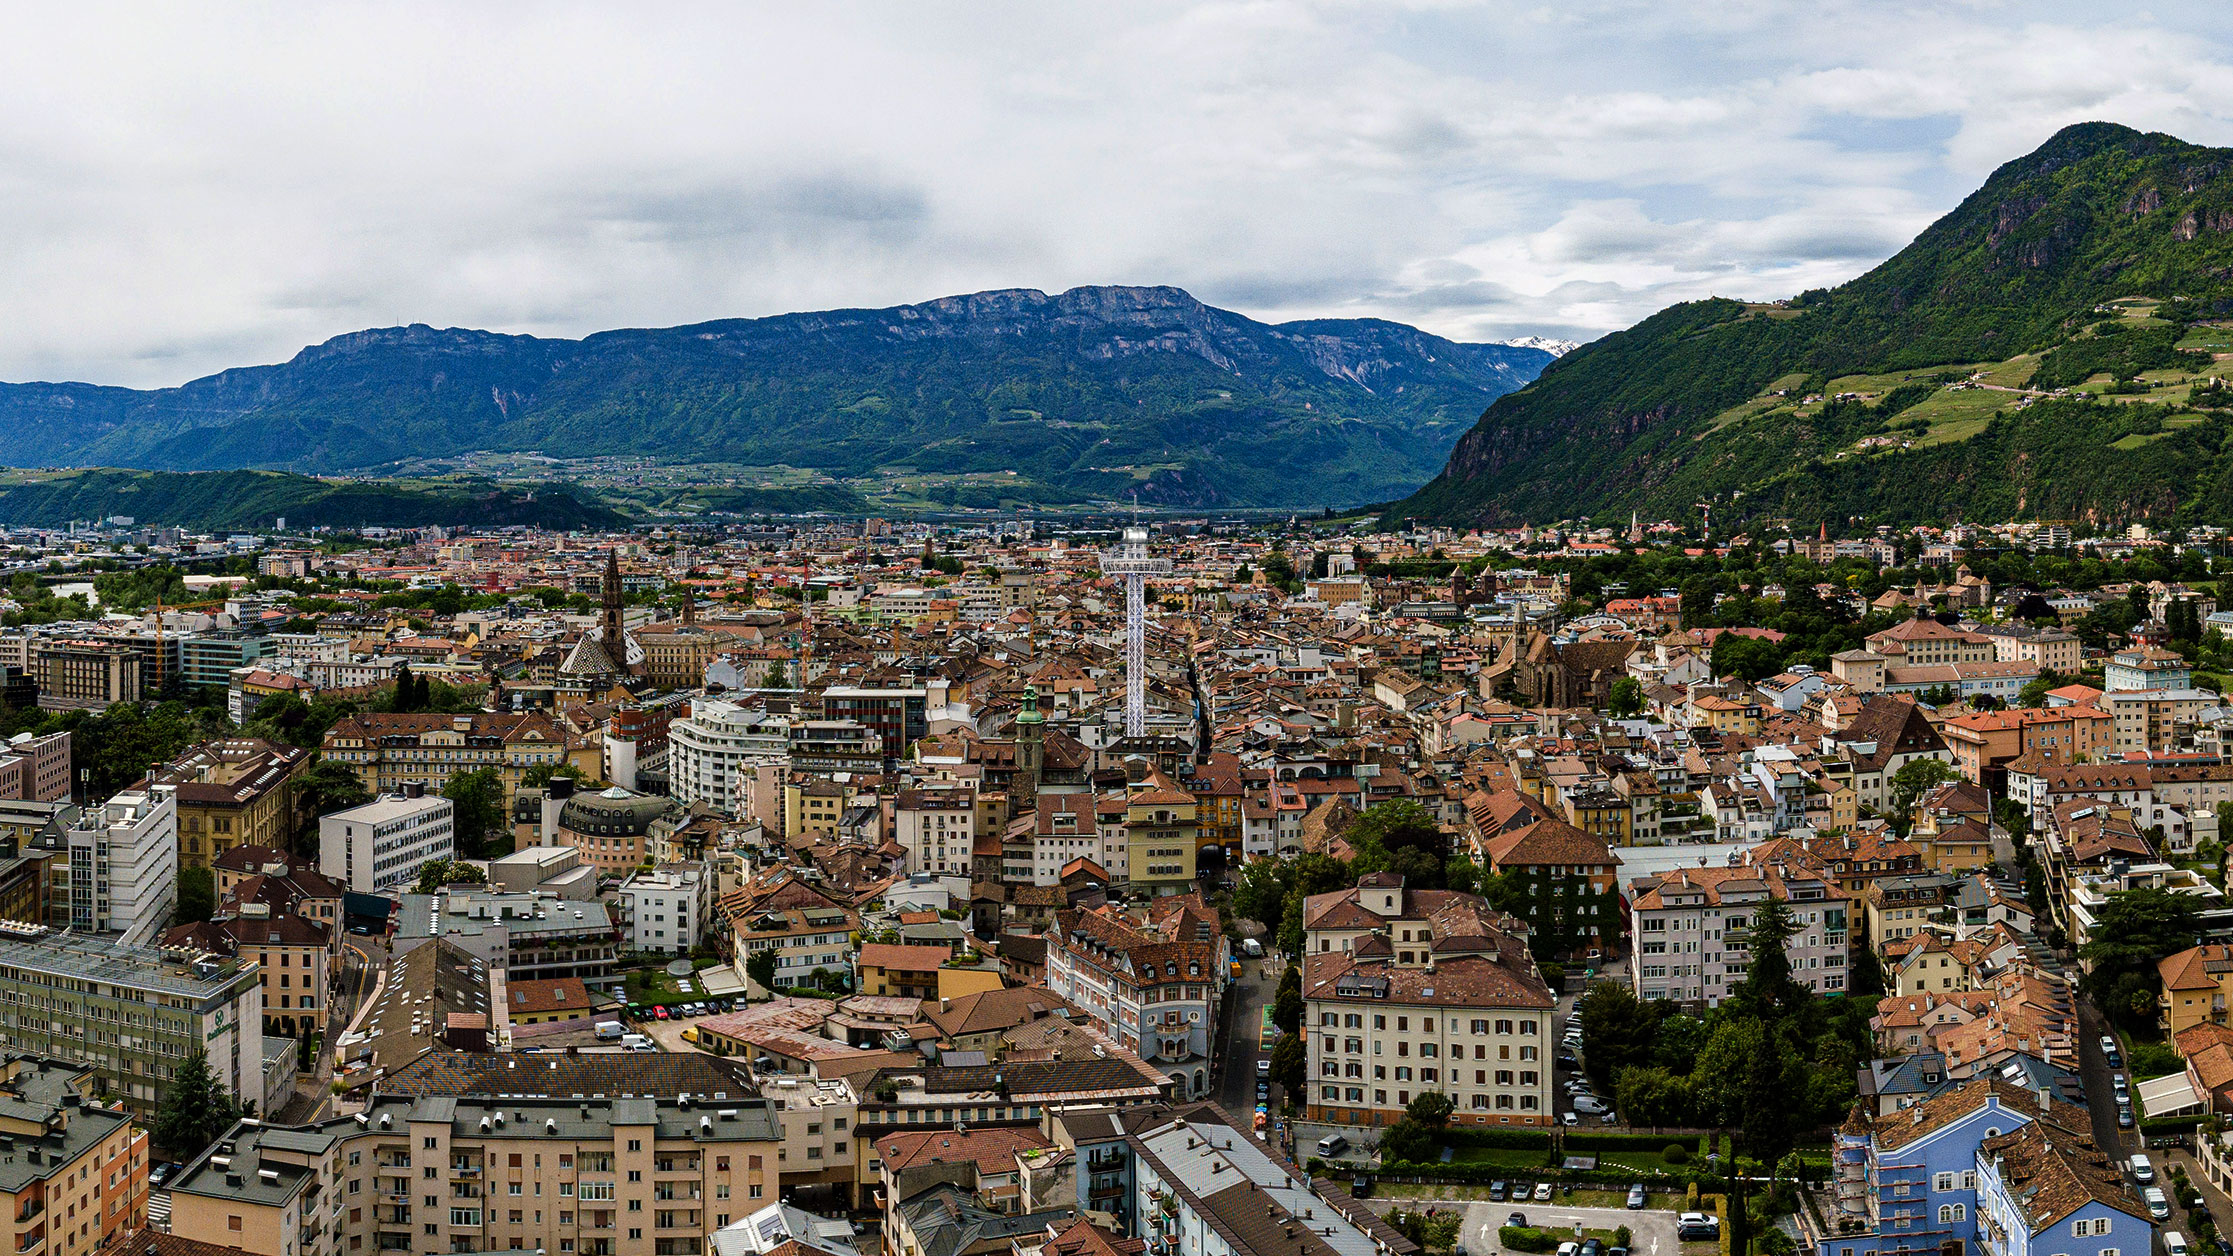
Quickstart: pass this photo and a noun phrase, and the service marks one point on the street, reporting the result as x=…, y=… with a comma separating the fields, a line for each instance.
x=1236, y=1088
x=2101, y=1096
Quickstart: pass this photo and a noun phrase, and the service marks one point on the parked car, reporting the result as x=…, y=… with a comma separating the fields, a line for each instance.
x=1542, y=1192
x=2110, y=1053
x=1517, y=1218
x=1263, y=1066
x=1333, y=1145
x=1568, y=1118
x=1592, y=1247
x=1636, y=1195
x=1691, y=1226
x=1263, y=1089
x=659, y=1013
x=1569, y=1248
x=1497, y=1192
x=2124, y=1116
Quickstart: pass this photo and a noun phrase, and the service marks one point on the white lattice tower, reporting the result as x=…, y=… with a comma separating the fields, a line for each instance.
x=1132, y=561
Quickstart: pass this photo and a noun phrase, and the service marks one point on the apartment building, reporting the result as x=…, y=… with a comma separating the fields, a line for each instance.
x=292, y=958
x=2196, y=986
x=1163, y=834
x=708, y=751
x=536, y=936
x=938, y=829
x=238, y=791
x=35, y=769
x=806, y=926
x=667, y=909
x=388, y=752
x=379, y=847
x=1407, y=991
x=1927, y=643
x=601, y=1175
x=1152, y=978
x=611, y=826
x=131, y=1014
x=1692, y=940
x=123, y=859
x=75, y=1174
x=2149, y=719
x=900, y=717
x=676, y=654
x=85, y=675
x=1201, y=1185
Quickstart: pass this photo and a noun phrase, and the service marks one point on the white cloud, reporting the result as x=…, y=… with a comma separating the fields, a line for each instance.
x=186, y=189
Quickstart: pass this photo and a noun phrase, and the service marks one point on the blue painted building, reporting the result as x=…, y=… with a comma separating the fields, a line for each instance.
x=2046, y=1191
x=1907, y=1182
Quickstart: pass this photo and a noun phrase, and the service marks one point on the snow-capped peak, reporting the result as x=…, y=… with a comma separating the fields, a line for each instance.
x=1556, y=348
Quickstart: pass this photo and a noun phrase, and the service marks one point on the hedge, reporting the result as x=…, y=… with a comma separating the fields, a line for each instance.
x=1475, y=1174
x=1525, y=1238
x=1577, y=1140
x=2171, y=1124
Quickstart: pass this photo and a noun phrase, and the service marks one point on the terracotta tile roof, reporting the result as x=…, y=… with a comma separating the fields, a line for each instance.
x=2053, y=1171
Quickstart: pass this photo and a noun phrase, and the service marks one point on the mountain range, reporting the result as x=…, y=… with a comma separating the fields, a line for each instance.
x=1093, y=393
x=2048, y=349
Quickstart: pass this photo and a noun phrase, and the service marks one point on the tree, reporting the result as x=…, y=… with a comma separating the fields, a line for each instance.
x=1617, y=1028
x=328, y=786
x=197, y=896
x=760, y=967
x=1627, y=698
x=1403, y=837
x=1768, y=990
x=436, y=873
x=540, y=775
x=1407, y=1141
x=1916, y=778
x=195, y=1111
x=1746, y=658
x=2131, y=932
x=1287, y=1005
x=2034, y=692
x=1287, y=1065
x=1652, y=1096
x=1261, y=892
x=1432, y=1109
x=478, y=798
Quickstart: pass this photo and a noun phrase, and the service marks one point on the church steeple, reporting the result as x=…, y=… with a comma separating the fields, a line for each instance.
x=610, y=627
x=1031, y=729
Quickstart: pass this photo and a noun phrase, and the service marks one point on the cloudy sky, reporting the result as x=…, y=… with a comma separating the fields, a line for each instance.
x=184, y=188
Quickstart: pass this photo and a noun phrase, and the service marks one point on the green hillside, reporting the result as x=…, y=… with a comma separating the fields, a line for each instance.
x=1092, y=393
x=225, y=500
x=2045, y=350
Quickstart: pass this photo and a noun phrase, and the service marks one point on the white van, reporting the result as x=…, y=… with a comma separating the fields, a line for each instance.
x=1333, y=1145
x=637, y=1042
x=1252, y=948
x=2142, y=1171
x=2174, y=1244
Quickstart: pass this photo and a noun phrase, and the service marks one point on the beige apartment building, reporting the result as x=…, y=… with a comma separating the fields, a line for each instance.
x=1410, y=991
x=434, y=1174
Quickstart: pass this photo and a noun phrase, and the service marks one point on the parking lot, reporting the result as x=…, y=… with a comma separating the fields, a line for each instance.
x=1653, y=1231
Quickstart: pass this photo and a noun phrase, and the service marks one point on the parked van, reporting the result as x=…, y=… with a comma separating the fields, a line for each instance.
x=610, y=1031
x=2142, y=1171
x=690, y=1035
x=1252, y=948
x=1333, y=1145
x=2174, y=1244
x=637, y=1042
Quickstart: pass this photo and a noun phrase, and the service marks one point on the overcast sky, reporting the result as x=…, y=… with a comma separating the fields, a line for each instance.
x=189, y=187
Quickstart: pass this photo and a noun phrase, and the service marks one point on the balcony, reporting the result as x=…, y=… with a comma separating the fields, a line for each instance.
x=31, y=1242
x=31, y=1208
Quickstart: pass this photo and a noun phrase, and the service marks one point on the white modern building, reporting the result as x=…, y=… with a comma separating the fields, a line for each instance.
x=708, y=753
x=666, y=909
x=378, y=848
x=124, y=866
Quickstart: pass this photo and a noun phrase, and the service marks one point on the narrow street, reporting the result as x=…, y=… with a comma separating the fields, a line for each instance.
x=1236, y=1088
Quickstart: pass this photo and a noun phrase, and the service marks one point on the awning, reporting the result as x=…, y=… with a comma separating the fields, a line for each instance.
x=2168, y=1096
